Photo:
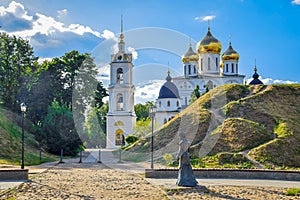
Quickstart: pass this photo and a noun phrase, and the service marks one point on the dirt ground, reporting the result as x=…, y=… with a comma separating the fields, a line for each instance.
x=95, y=181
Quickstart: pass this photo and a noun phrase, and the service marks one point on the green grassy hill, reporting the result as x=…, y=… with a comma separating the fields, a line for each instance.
x=236, y=125
x=10, y=141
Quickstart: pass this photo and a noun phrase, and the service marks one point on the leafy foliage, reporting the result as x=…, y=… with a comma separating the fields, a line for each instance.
x=195, y=94
x=95, y=132
x=130, y=139
x=59, y=94
x=58, y=130
x=142, y=111
x=17, y=70
x=142, y=127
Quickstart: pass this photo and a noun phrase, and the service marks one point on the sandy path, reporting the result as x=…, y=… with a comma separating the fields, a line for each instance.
x=85, y=181
x=95, y=181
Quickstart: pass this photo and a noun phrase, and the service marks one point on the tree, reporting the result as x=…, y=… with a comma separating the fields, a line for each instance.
x=58, y=130
x=195, y=94
x=100, y=94
x=142, y=127
x=142, y=111
x=130, y=139
x=95, y=132
x=17, y=69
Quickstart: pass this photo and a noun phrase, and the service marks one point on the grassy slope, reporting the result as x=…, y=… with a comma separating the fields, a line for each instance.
x=10, y=142
x=262, y=121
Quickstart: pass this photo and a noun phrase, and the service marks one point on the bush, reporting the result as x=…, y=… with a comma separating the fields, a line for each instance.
x=130, y=139
x=293, y=192
x=168, y=158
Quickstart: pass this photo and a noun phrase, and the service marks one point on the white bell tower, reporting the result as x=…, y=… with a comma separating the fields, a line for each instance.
x=121, y=117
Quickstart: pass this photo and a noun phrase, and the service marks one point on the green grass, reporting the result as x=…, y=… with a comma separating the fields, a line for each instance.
x=293, y=192
x=10, y=142
x=253, y=115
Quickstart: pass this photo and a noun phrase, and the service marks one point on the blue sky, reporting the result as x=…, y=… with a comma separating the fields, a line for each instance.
x=265, y=30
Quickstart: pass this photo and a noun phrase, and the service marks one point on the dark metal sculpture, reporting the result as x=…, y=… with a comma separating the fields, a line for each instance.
x=186, y=175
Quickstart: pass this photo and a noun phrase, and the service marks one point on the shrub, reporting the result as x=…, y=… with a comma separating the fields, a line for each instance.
x=168, y=158
x=293, y=192
x=130, y=139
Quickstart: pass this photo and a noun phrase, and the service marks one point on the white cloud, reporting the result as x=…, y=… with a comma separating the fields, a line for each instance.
x=107, y=34
x=297, y=2
x=17, y=9
x=148, y=91
x=205, y=18
x=270, y=81
x=48, y=25
x=50, y=37
x=133, y=52
x=62, y=13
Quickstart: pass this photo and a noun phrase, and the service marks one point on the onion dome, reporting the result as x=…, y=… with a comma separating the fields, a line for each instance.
x=190, y=56
x=209, y=44
x=255, y=77
x=169, y=89
x=230, y=54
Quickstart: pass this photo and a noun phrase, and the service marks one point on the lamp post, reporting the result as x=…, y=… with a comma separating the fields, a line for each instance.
x=23, y=110
x=152, y=111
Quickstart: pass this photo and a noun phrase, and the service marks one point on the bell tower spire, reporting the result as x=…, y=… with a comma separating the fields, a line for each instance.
x=121, y=42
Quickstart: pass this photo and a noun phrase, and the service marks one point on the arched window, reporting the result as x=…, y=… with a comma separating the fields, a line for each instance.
x=185, y=101
x=159, y=104
x=210, y=85
x=120, y=75
x=236, y=71
x=189, y=69
x=119, y=101
x=168, y=103
x=177, y=103
x=232, y=67
x=216, y=63
x=184, y=69
x=165, y=120
x=208, y=64
x=226, y=68
x=195, y=71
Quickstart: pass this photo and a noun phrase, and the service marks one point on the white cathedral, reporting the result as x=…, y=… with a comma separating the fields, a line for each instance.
x=204, y=68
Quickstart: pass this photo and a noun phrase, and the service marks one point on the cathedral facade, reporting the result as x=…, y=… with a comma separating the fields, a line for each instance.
x=207, y=68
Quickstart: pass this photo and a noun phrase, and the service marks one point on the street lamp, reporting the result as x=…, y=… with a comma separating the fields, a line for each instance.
x=152, y=111
x=23, y=110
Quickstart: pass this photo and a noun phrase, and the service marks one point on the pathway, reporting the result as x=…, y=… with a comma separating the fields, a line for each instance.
x=112, y=162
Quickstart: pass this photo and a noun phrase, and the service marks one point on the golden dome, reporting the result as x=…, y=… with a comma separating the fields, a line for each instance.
x=230, y=54
x=209, y=44
x=190, y=56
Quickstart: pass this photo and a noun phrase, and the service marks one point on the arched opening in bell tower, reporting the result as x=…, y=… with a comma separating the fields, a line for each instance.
x=120, y=102
x=120, y=76
x=119, y=137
